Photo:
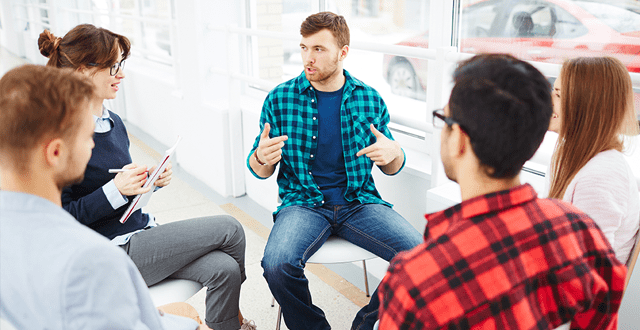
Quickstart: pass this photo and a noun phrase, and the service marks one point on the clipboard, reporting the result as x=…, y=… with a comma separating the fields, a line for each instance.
x=143, y=199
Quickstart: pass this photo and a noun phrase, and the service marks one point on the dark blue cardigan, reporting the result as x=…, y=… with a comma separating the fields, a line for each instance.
x=87, y=202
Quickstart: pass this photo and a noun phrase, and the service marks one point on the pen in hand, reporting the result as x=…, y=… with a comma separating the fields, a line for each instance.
x=120, y=170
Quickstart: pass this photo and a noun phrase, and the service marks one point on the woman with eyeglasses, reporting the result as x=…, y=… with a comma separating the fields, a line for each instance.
x=592, y=112
x=209, y=250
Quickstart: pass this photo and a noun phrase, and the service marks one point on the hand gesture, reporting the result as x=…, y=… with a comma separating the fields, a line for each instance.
x=383, y=151
x=165, y=177
x=269, y=150
x=129, y=183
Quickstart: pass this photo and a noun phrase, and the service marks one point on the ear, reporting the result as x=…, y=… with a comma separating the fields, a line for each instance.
x=458, y=143
x=344, y=52
x=84, y=70
x=53, y=152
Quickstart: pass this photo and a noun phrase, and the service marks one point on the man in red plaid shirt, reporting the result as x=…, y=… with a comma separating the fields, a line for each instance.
x=503, y=258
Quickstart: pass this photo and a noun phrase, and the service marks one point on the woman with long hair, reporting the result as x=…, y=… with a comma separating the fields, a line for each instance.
x=209, y=250
x=592, y=112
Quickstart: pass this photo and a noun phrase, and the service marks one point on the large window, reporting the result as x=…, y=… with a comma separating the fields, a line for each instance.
x=383, y=22
x=148, y=24
x=548, y=31
x=552, y=31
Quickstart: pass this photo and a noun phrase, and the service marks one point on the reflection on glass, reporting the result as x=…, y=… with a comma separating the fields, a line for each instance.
x=553, y=30
x=536, y=30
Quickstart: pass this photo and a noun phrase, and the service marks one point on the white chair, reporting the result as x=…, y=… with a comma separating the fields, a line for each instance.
x=5, y=325
x=172, y=290
x=336, y=251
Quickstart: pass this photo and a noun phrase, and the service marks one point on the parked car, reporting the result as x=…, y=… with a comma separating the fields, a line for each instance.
x=538, y=30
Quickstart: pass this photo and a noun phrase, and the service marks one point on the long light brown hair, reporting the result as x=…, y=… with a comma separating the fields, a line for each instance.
x=596, y=99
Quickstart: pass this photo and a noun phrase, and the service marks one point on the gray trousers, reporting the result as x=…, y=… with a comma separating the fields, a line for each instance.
x=208, y=250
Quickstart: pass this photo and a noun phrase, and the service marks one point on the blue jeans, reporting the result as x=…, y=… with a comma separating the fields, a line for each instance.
x=298, y=232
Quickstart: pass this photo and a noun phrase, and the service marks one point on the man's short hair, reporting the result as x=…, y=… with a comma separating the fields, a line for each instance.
x=504, y=105
x=39, y=103
x=330, y=21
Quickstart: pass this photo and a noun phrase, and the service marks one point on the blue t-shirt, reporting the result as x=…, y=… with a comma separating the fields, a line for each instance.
x=328, y=169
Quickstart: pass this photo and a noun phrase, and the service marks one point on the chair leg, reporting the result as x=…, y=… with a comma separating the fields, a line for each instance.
x=279, y=317
x=366, y=278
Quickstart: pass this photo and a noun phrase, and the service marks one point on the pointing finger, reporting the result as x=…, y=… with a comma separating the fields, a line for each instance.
x=364, y=151
x=265, y=131
x=375, y=132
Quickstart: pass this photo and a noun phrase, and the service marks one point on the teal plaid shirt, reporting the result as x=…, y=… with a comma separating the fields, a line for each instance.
x=291, y=110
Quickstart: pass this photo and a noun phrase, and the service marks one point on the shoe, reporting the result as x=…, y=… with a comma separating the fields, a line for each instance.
x=248, y=325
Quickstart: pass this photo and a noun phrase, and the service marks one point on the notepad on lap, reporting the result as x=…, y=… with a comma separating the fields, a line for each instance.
x=143, y=199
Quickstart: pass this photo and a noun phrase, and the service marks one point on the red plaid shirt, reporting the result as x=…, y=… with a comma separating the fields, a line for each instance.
x=506, y=260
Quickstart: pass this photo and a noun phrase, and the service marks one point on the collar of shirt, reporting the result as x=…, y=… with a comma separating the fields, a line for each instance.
x=104, y=122
x=479, y=206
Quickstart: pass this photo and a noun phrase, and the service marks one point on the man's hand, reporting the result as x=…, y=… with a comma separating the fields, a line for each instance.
x=383, y=151
x=129, y=183
x=269, y=150
x=165, y=177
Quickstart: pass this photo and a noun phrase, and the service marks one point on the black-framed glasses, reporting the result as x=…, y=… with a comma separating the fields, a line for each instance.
x=439, y=119
x=114, y=69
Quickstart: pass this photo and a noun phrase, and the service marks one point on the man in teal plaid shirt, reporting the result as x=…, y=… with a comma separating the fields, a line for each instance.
x=326, y=129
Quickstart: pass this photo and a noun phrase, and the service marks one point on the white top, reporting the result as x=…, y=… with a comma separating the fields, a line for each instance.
x=606, y=189
x=58, y=274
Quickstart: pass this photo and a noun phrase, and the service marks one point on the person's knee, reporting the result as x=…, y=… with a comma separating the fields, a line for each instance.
x=231, y=224
x=278, y=267
x=233, y=230
x=227, y=272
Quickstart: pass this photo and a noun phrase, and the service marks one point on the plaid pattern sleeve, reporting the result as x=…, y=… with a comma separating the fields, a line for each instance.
x=291, y=109
x=506, y=260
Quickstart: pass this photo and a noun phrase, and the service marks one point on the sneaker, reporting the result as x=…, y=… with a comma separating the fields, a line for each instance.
x=248, y=325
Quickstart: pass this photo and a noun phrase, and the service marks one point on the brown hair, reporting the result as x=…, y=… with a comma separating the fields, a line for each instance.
x=597, y=107
x=37, y=104
x=330, y=21
x=82, y=45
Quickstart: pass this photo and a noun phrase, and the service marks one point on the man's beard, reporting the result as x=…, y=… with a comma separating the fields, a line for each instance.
x=321, y=77
x=64, y=180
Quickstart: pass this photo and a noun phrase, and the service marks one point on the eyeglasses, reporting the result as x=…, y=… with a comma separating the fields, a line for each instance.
x=114, y=69
x=439, y=114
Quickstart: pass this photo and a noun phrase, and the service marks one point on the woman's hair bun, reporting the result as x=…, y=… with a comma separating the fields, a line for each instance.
x=48, y=43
